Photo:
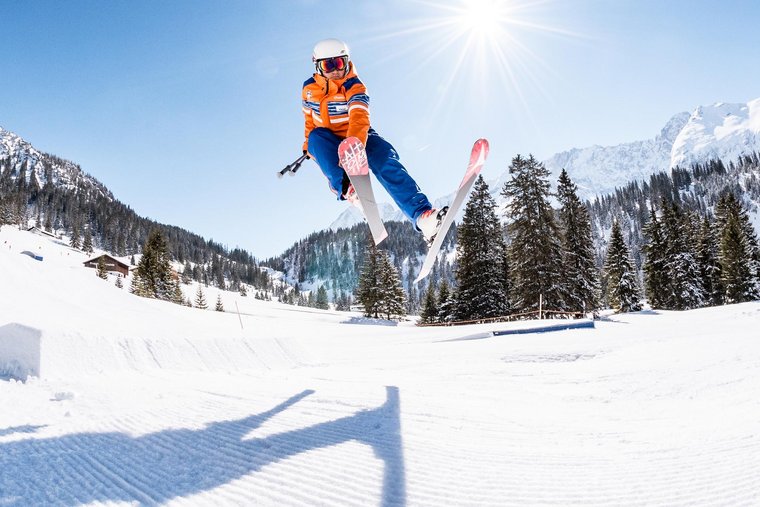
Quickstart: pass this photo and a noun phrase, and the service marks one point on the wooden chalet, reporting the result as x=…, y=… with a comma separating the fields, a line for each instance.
x=40, y=232
x=111, y=264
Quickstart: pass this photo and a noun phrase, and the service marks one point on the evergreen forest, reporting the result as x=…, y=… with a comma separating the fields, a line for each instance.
x=683, y=239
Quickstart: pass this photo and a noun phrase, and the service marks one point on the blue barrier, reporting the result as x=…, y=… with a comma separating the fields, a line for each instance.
x=547, y=329
x=32, y=255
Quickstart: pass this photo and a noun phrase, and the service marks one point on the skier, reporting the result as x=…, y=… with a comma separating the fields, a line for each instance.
x=336, y=106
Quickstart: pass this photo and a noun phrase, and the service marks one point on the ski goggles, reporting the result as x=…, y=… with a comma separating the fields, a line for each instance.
x=332, y=64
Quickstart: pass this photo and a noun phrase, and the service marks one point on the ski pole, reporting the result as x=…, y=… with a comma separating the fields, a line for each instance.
x=293, y=167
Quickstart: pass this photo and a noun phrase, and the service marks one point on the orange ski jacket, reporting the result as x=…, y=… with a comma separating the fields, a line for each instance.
x=341, y=105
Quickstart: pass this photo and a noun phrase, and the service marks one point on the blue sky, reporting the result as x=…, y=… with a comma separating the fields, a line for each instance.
x=185, y=109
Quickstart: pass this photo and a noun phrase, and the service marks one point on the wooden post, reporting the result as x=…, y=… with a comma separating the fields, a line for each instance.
x=239, y=317
x=540, y=306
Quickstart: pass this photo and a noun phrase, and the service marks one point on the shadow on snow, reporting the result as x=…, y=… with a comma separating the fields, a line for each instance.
x=151, y=469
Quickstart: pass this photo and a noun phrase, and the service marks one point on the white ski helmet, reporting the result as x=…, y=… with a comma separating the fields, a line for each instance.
x=329, y=48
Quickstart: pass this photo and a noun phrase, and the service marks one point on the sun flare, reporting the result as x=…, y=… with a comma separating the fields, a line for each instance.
x=482, y=17
x=483, y=51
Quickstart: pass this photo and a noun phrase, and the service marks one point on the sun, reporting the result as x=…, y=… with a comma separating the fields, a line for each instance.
x=481, y=41
x=484, y=52
x=483, y=18
x=475, y=37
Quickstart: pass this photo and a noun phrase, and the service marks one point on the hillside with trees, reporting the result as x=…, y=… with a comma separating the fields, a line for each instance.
x=683, y=239
x=57, y=197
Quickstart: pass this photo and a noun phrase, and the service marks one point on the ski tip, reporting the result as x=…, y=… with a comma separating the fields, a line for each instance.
x=478, y=155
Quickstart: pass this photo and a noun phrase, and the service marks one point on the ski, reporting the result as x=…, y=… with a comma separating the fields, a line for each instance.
x=477, y=160
x=353, y=159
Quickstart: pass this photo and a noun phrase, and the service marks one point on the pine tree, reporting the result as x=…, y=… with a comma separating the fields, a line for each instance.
x=413, y=298
x=101, y=271
x=753, y=247
x=709, y=267
x=296, y=296
x=187, y=273
x=655, y=270
x=684, y=280
x=380, y=291
x=176, y=295
x=87, y=241
x=480, y=287
x=446, y=305
x=343, y=302
x=22, y=214
x=736, y=276
x=217, y=269
x=367, y=292
x=581, y=276
x=622, y=285
x=219, y=306
x=738, y=251
x=119, y=283
x=429, y=314
x=139, y=286
x=322, y=300
x=6, y=211
x=392, y=300
x=506, y=275
x=535, y=251
x=200, y=298
x=75, y=239
x=154, y=277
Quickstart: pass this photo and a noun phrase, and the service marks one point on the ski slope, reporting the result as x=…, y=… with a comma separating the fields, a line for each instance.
x=141, y=402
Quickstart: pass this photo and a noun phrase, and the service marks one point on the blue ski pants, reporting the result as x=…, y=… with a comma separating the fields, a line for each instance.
x=383, y=162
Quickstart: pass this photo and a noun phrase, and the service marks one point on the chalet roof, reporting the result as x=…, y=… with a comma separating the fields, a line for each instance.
x=108, y=257
x=37, y=230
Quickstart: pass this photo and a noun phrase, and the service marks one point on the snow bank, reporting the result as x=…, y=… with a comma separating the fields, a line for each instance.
x=19, y=351
x=144, y=402
x=57, y=320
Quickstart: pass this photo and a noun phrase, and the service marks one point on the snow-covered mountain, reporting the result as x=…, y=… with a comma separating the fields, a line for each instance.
x=17, y=154
x=598, y=170
x=719, y=131
x=352, y=216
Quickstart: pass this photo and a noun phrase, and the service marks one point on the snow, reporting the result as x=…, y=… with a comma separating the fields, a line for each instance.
x=599, y=170
x=136, y=401
x=721, y=131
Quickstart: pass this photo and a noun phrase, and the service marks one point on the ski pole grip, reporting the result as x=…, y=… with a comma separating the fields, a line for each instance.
x=293, y=166
x=297, y=164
